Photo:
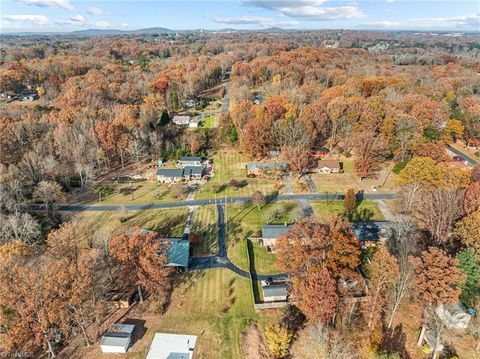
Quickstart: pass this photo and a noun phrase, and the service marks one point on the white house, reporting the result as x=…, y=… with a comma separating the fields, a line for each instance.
x=172, y=346
x=329, y=166
x=117, y=339
x=181, y=120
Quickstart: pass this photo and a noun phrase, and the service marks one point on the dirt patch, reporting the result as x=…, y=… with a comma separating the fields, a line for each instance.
x=253, y=345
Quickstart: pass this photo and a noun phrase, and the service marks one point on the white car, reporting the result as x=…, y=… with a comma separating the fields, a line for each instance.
x=374, y=188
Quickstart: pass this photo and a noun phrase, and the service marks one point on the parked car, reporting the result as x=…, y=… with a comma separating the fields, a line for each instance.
x=458, y=158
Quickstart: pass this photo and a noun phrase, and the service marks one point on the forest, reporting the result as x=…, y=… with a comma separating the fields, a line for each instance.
x=389, y=101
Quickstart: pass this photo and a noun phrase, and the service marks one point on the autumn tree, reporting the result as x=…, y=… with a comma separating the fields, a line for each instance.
x=317, y=296
x=143, y=256
x=278, y=340
x=258, y=199
x=453, y=130
x=49, y=193
x=433, y=150
x=299, y=159
x=422, y=171
x=468, y=230
x=471, y=202
x=350, y=202
x=384, y=277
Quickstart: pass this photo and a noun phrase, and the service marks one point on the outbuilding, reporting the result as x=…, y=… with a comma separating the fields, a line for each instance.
x=117, y=339
x=172, y=346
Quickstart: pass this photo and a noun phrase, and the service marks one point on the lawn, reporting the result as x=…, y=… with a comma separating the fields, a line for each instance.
x=209, y=122
x=341, y=182
x=143, y=192
x=205, y=225
x=216, y=305
x=170, y=222
x=245, y=221
x=366, y=210
x=229, y=164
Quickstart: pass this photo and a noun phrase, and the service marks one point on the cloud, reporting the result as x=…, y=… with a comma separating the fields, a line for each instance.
x=21, y=21
x=96, y=11
x=253, y=20
x=62, y=4
x=469, y=22
x=73, y=21
x=390, y=1
x=308, y=9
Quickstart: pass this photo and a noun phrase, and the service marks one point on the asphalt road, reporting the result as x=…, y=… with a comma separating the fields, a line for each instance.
x=200, y=202
x=467, y=158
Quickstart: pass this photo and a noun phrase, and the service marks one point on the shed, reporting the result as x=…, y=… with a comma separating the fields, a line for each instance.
x=274, y=292
x=178, y=253
x=117, y=339
x=172, y=346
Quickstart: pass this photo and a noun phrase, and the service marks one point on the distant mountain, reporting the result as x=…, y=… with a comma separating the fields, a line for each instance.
x=99, y=32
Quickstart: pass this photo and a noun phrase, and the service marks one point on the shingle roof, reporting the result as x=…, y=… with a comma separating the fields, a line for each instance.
x=190, y=158
x=274, y=230
x=193, y=170
x=170, y=172
x=329, y=164
x=178, y=252
x=275, y=290
x=369, y=230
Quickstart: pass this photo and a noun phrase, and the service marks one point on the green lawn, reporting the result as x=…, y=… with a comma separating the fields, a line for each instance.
x=229, y=164
x=367, y=210
x=217, y=306
x=169, y=222
x=143, y=192
x=210, y=122
x=205, y=225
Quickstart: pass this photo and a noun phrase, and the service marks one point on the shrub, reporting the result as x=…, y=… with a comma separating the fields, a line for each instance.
x=251, y=175
x=399, y=165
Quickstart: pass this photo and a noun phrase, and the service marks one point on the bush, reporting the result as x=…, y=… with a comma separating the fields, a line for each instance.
x=399, y=165
x=477, y=154
x=341, y=171
x=251, y=175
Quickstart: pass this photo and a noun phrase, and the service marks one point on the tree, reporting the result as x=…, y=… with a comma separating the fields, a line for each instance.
x=421, y=170
x=278, y=339
x=64, y=242
x=317, y=296
x=453, y=130
x=234, y=183
x=350, y=202
x=19, y=226
x=194, y=145
x=467, y=260
x=49, y=193
x=433, y=150
x=102, y=190
x=299, y=159
x=258, y=199
x=384, y=277
x=468, y=231
x=471, y=202
x=437, y=210
x=143, y=256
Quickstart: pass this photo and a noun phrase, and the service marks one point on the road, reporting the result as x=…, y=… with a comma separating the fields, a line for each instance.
x=221, y=260
x=201, y=202
x=467, y=158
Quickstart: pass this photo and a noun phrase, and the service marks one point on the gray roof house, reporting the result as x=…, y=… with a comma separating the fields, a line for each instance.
x=178, y=253
x=193, y=171
x=117, y=339
x=370, y=231
x=187, y=161
x=274, y=292
x=273, y=231
x=169, y=174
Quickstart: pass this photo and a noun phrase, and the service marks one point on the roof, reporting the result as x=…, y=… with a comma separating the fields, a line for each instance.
x=274, y=290
x=193, y=170
x=119, y=335
x=122, y=328
x=329, y=164
x=171, y=346
x=170, y=172
x=178, y=252
x=266, y=165
x=180, y=118
x=274, y=230
x=190, y=158
x=369, y=230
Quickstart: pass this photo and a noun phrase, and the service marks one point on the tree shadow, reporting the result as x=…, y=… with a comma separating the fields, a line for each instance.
x=125, y=191
x=251, y=256
x=394, y=340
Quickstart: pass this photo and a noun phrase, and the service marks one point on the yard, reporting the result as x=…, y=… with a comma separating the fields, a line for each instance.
x=170, y=222
x=216, y=305
x=341, y=182
x=205, y=225
x=209, y=122
x=229, y=164
x=245, y=221
x=366, y=210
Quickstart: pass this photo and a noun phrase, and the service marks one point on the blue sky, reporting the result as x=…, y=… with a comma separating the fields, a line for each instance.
x=66, y=15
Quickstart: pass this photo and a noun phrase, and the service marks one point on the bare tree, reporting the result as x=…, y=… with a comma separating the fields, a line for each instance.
x=19, y=227
x=407, y=195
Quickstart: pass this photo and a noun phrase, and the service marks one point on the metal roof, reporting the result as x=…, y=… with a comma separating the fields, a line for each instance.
x=172, y=346
x=274, y=230
x=178, y=252
x=193, y=170
x=190, y=158
x=113, y=339
x=170, y=172
x=275, y=290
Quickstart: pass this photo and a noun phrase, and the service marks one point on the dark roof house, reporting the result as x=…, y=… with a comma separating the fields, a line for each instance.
x=170, y=172
x=274, y=230
x=178, y=253
x=370, y=231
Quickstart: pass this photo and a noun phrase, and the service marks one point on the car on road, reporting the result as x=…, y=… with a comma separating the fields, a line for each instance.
x=458, y=158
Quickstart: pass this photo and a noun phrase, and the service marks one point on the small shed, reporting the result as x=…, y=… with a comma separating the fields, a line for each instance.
x=172, y=346
x=274, y=292
x=178, y=253
x=117, y=339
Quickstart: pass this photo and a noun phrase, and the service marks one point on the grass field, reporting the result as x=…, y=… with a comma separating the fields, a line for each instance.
x=217, y=306
x=209, y=122
x=245, y=221
x=229, y=164
x=169, y=222
x=142, y=192
x=367, y=210
x=205, y=225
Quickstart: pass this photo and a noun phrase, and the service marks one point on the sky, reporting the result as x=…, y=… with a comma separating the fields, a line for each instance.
x=68, y=15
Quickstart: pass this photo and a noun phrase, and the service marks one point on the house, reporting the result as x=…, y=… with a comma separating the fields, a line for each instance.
x=193, y=172
x=191, y=103
x=181, y=120
x=28, y=96
x=274, y=291
x=370, y=231
x=265, y=168
x=188, y=161
x=178, y=253
x=171, y=346
x=169, y=175
x=195, y=122
x=270, y=233
x=320, y=151
x=454, y=316
x=329, y=166
x=117, y=339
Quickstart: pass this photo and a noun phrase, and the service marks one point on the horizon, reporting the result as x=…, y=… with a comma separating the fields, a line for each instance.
x=63, y=16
